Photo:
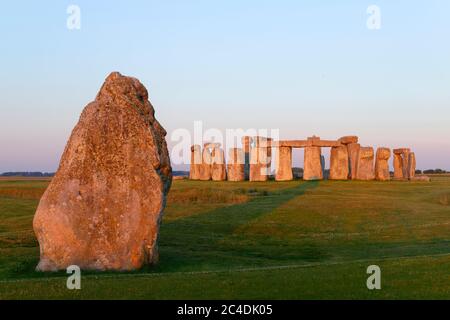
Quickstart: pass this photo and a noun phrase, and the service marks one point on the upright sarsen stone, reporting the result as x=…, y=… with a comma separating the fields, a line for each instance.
x=196, y=162
x=284, y=164
x=353, y=158
x=205, y=168
x=365, y=169
x=218, y=169
x=313, y=164
x=398, y=166
x=236, y=169
x=412, y=166
x=260, y=160
x=103, y=208
x=382, y=164
x=339, y=166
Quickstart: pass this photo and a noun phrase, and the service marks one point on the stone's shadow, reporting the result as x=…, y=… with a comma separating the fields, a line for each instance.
x=203, y=239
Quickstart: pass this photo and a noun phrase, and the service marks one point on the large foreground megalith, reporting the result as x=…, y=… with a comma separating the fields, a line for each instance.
x=103, y=208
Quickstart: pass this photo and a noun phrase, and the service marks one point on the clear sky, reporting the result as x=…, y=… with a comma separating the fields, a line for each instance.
x=304, y=67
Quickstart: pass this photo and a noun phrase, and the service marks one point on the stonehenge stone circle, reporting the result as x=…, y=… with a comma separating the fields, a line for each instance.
x=365, y=169
x=313, y=164
x=348, y=160
x=284, y=164
x=339, y=163
x=382, y=164
x=236, y=165
x=103, y=208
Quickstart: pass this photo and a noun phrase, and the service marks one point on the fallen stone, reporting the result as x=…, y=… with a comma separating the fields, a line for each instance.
x=421, y=178
x=103, y=208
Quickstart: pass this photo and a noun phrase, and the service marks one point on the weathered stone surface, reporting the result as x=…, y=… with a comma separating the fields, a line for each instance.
x=103, y=208
x=236, y=165
x=412, y=165
x=258, y=167
x=339, y=166
x=353, y=157
x=365, y=169
x=313, y=164
x=401, y=150
x=260, y=160
x=398, y=166
x=205, y=168
x=218, y=168
x=421, y=178
x=246, y=145
x=405, y=164
x=196, y=161
x=284, y=164
x=348, y=140
x=382, y=164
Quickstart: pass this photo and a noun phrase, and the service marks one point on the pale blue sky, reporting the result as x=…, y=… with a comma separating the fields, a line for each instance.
x=300, y=66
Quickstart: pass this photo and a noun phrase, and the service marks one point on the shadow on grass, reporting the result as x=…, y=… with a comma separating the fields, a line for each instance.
x=208, y=241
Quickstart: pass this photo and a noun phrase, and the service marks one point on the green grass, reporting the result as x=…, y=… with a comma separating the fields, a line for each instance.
x=275, y=240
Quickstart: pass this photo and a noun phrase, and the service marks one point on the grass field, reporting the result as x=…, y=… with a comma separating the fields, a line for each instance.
x=291, y=240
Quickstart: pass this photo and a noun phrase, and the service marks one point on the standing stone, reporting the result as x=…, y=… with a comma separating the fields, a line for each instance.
x=382, y=164
x=339, y=169
x=412, y=166
x=236, y=166
x=205, y=167
x=259, y=160
x=398, y=166
x=365, y=169
x=401, y=163
x=353, y=157
x=313, y=164
x=196, y=161
x=405, y=164
x=218, y=168
x=246, y=145
x=284, y=164
x=103, y=208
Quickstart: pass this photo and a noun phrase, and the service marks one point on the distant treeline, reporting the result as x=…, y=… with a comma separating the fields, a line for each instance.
x=432, y=171
x=27, y=174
